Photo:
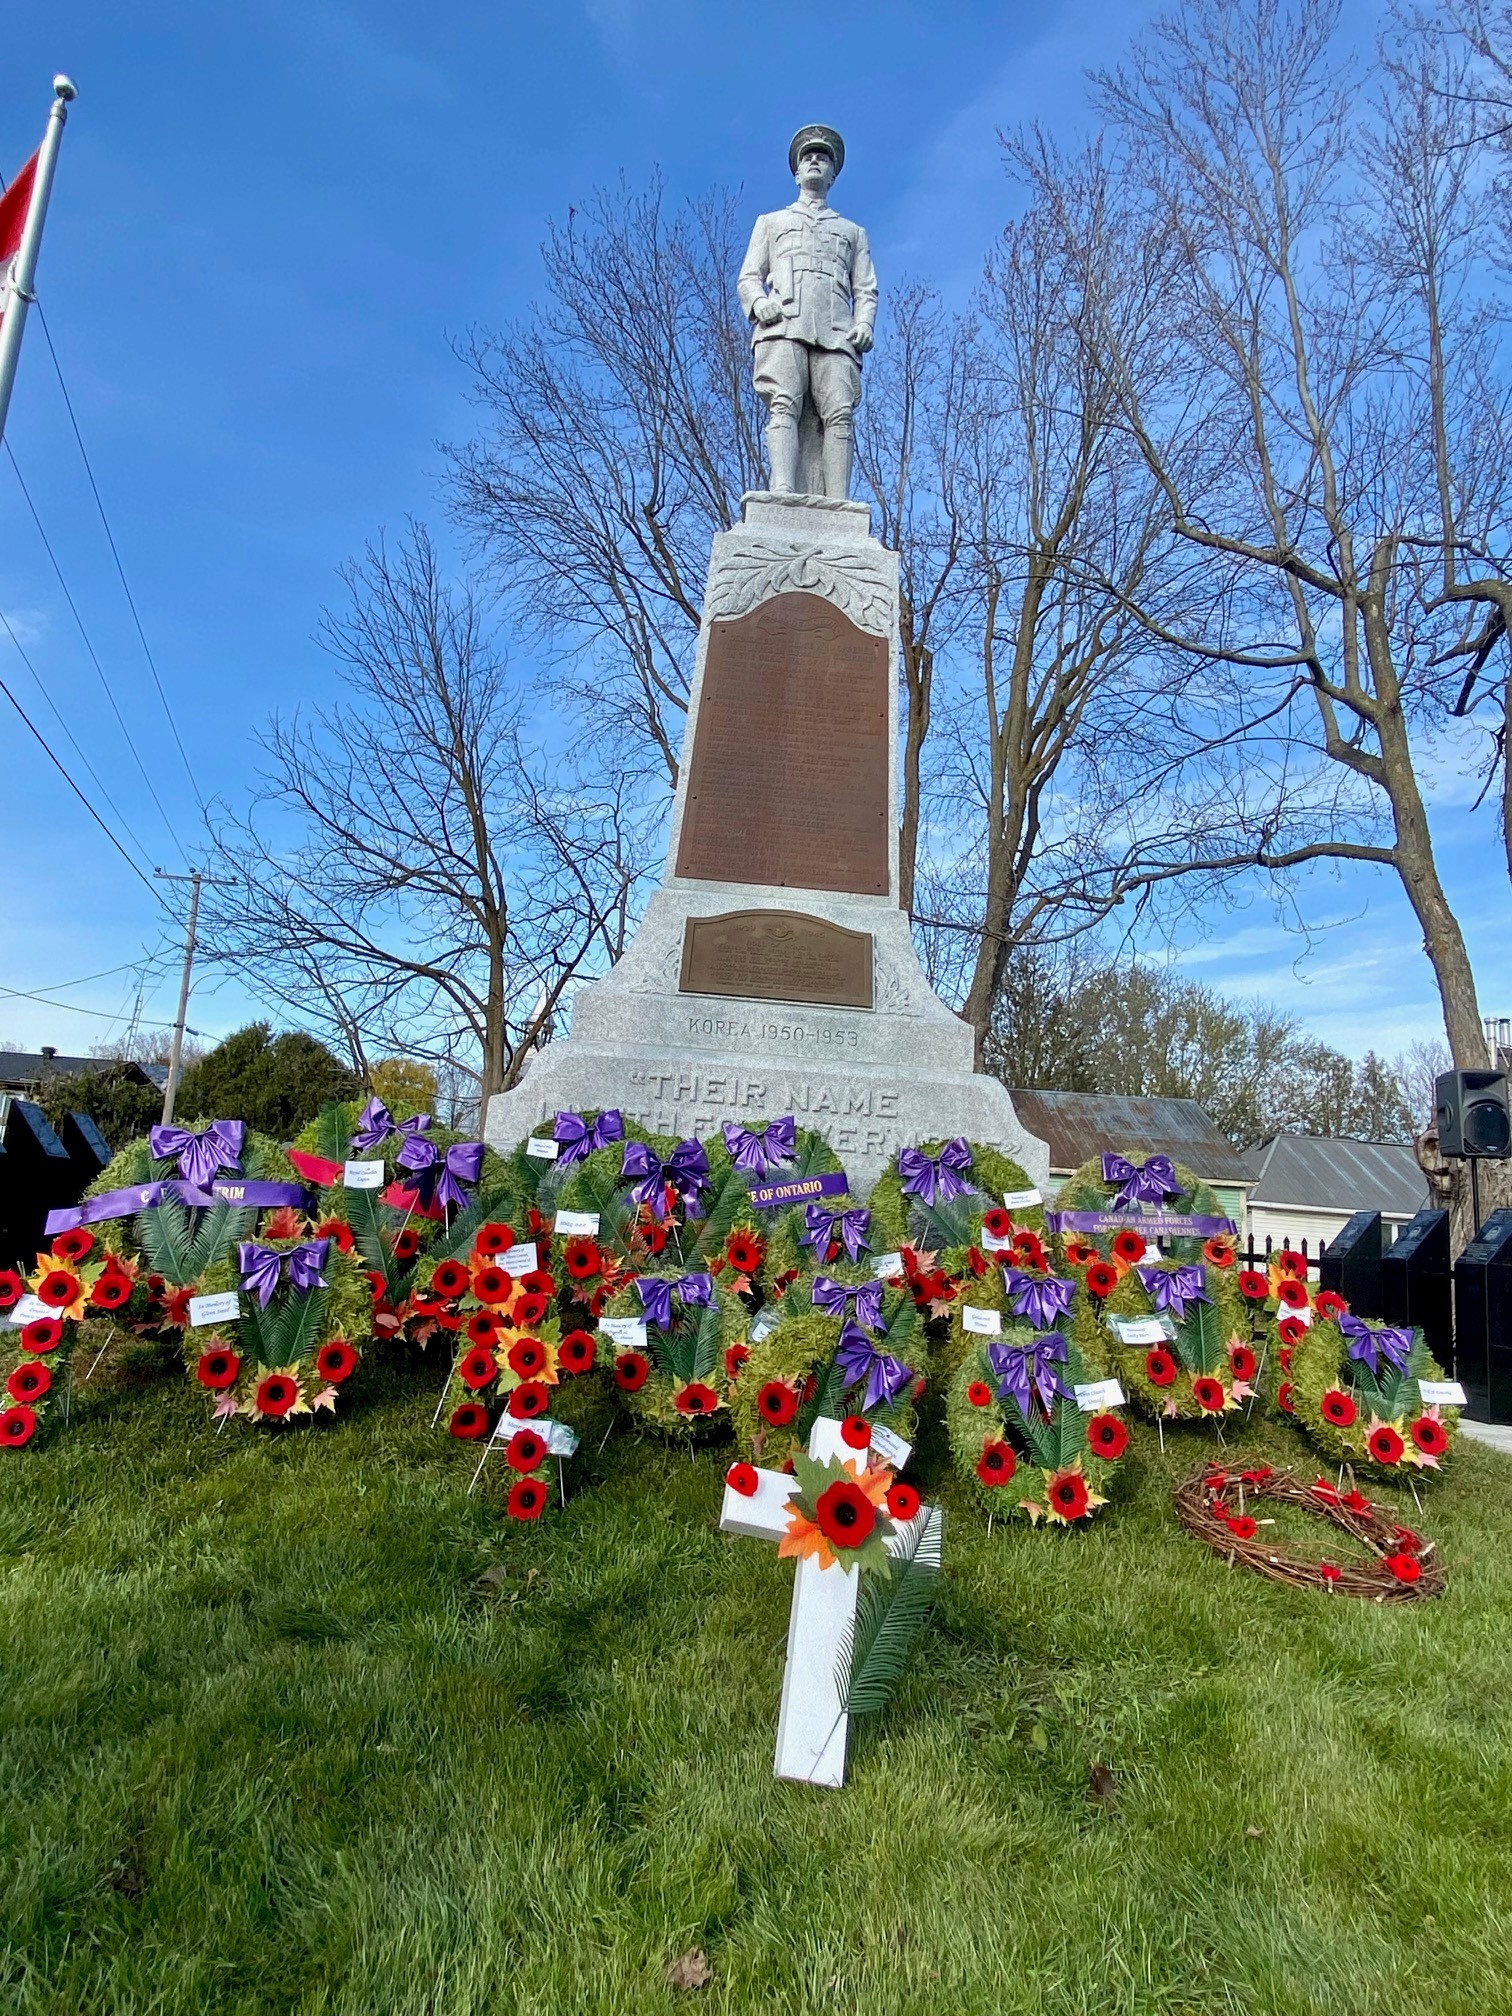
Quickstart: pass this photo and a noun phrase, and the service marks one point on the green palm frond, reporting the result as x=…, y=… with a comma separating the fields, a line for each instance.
x=166, y=1243
x=1057, y=1442
x=300, y=1330
x=331, y=1134
x=814, y=1156
x=891, y=1612
x=596, y=1188
x=453, y=1241
x=363, y=1214
x=727, y=1201
x=1199, y=1339
x=933, y=1228
x=901, y=1326
x=828, y=1403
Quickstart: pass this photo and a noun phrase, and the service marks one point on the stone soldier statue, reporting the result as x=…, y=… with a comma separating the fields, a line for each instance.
x=811, y=293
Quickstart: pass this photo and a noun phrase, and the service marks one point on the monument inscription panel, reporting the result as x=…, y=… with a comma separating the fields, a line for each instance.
x=788, y=780
x=777, y=955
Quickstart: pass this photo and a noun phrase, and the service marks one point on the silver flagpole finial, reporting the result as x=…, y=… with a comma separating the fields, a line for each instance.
x=64, y=87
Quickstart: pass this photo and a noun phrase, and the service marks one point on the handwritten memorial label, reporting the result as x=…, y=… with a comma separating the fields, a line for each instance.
x=887, y=1264
x=764, y=1325
x=31, y=1309
x=1021, y=1200
x=542, y=1149
x=577, y=1224
x=994, y=1244
x=362, y=1175
x=518, y=1260
x=1141, y=1329
x=558, y=1437
x=982, y=1322
x=207, y=1309
x=629, y=1332
x=1101, y=1393
x=891, y=1448
x=1441, y=1392
x=798, y=1190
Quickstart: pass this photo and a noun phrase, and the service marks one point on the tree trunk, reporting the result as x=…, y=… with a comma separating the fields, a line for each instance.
x=918, y=677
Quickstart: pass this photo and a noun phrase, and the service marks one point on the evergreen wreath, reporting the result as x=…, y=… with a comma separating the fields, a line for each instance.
x=949, y=1225
x=1352, y=1387
x=1204, y=1367
x=1088, y=1189
x=78, y=1288
x=1048, y=1461
x=680, y=1383
x=1213, y=1504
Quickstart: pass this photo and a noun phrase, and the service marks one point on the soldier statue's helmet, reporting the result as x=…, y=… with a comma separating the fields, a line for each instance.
x=817, y=136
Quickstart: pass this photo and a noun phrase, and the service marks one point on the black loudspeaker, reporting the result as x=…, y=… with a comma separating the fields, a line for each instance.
x=1483, y=1320
x=34, y=1179
x=1351, y=1263
x=1472, y=1114
x=1416, y=1285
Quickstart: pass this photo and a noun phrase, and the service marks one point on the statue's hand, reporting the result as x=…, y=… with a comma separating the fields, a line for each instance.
x=860, y=339
x=767, y=310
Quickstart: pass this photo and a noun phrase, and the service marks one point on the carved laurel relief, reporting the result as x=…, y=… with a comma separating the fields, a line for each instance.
x=757, y=569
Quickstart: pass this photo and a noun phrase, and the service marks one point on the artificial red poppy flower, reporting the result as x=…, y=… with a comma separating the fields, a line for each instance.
x=1329, y=1571
x=743, y=1252
x=1284, y=1398
x=1408, y=1542
x=1253, y=1285
x=276, y=1395
x=450, y=1279
x=336, y=1361
x=30, y=1381
x=1405, y=1567
x=75, y=1245
x=1102, y=1279
x=1356, y=1501
x=1289, y=1263
x=1329, y=1304
x=1256, y=1476
x=631, y=1371
x=377, y=1283
x=530, y=1310
x=468, y=1422
x=1241, y=1526
x=528, y=1400
x=492, y=1284
x=777, y=1403
x=1218, y=1252
x=1107, y=1437
x=996, y=1464
x=1385, y=1445
x=43, y=1333
x=902, y=1503
x=217, y=1370
x=1291, y=1330
x=525, y=1450
x=736, y=1356
x=479, y=1368
x=855, y=1432
x=576, y=1352
x=1208, y=1393
x=537, y=1282
x=58, y=1288
x=482, y=1328
x=582, y=1259
x=1160, y=1367
x=18, y=1424
x=1080, y=1251
x=1285, y=1357
x=526, y=1356
x=1029, y=1252
x=696, y=1399
x=1242, y=1361
x=526, y=1500
x=742, y=1478
x=1068, y=1494
x=654, y=1237
x=406, y=1243
x=1291, y=1294
x=1430, y=1436
x=976, y=1261
x=12, y=1287
x=111, y=1291
x=1129, y=1246
x=979, y=1393
x=1338, y=1408
x=844, y=1514
x=998, y=1222
x=494, y=1239
x=338, y=1232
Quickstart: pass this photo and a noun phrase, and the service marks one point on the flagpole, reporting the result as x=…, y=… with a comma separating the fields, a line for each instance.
x=24, y=272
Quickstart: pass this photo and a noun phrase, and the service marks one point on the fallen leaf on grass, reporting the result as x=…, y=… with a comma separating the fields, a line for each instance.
x=1254, y=1833
x=691, y=1971
x=495, y=1577
x=1103, y=1783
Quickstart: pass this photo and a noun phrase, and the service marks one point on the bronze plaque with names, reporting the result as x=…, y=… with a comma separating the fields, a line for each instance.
x=777, y=955
x=787, y=783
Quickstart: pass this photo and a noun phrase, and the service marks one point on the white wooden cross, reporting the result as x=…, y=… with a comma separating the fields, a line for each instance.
x=812, y=1728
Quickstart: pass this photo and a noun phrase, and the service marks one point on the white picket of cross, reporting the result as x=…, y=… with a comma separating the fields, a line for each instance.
x=812, y=1727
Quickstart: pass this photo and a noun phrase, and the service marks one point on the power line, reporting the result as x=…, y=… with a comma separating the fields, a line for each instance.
x=69, y=1008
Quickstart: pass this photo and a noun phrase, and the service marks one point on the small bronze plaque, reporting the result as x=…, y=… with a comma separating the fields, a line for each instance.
x=777, y=955
x=787, y=783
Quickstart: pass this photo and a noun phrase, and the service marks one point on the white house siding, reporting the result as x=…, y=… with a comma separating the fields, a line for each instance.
x=1289, y=1225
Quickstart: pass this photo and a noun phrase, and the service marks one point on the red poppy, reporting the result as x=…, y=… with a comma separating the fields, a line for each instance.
x=743, y=1252
x=1355, y=1500
x=43, y=1333
x=276, y=1395
x=18, y=1424
x=1285, y=1356
x=1068, y=1494
x=1329, y=1304
x=1405, y=1567
x=1218, y=1252
x=1242, y=1361
x=1102, y=1279
x=217, y=1370
x=1030, y=1252
x=844, y=1514
x=479, y=1368
x=494, y=1239
x=1291, y=1293
x=996, y=1463
x=525, y=1450
x=1385, y=1445
x=742, y=1478
x=902, y=1503
x=1289, y=1263
x=1284, y=1398
x=58, y=1288
x=655, y=1238
x=576, y=1352
x=526, y=1356
x=111, y=1291
x=526, y=1500
x=1329, y=1571
x=491, y=1284
x=336, y=1362
x=1430, y=1436
x=976, y=1261
x=406, y=1243
x=537, y=1282
x=29, y=1381
x=1107, y=1437
x=75, y=1245
x=377, y=1282
x=631, y=1371
x=450, y=1279
x=1241, y=1526
x=582, y=1259
x=1291, y=1330
x=1209, y=1394
x=1253, y=1285
x=482, y=1328
x=1160, y=1367
x=1129, y=1246
x=528, y=1400
x=979, y=1393
x=12, y=1287
x=1408, y=1542
x=696, y=1399
x=777, y=1403
x=468, y=1422
x=1080, y=1251
x=855, y=1432
x=998, y=1222
x=531, y=1309
x=338, y=1231
x=1338, y=1408
x=736, y=1356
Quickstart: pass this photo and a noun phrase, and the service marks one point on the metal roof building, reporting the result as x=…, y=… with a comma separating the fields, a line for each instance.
x=1327, y=1174
x=1079, y=1125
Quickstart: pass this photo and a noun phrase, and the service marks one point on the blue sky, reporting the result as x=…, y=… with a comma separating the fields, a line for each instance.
x=268, y=220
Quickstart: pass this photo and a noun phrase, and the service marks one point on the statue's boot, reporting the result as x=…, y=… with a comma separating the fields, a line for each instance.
x=782, y=451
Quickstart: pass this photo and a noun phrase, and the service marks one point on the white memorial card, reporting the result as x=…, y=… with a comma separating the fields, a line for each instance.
x=982, y=1322
x=1100, y=1394
x=577, y=1224
x=1140, y=1329
x=518, y=1260
x=1441, y=1392
x=764, y=1325
x=207, y=1309
x=886, y=1264
x=993, y=1244
x=362, y=1175
x=1021, y=1200
x=629, y=1332
x=31, y=1309
x=891, y=1448
x=542, y=1149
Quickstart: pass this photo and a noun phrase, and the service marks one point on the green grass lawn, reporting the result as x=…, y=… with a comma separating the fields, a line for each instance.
x=292, y=1724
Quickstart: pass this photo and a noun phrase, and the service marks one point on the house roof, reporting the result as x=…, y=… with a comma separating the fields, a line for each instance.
x=1079, y=1125
x=30, y=1067
x=1330, y=1173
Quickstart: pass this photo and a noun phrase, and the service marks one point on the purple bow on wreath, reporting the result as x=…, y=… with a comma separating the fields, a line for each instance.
x=694, y=1291
x=1171, y=1288
x=823, y=1228
x=1026, y=1369
x=201, y=1156
x=579, y=1140
x=835, y=1299
x=1039, y=1297
x=859, y=1358
x=375, y=1124
x=1146, y=1183
x=772, y=1148
x=260, y=1267
x=933, y=1177
x=462, y=1163
x=1368, y=1347
x=686, y=1169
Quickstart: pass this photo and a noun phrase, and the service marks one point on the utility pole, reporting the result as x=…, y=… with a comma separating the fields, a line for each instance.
x=196, y=877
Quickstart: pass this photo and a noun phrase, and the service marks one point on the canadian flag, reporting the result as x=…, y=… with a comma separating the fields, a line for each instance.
x=14, y=205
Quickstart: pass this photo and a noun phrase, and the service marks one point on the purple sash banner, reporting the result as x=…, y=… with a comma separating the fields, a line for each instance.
x=1166, y=1224
x=238, y=1190
x=798, y=1190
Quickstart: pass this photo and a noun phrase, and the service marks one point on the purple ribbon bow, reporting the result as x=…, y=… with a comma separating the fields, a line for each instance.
x=1039, y=1297
x=1368, y=1347
x=1025, y=1369
x=1149, y=1183
x=686, y=1169
x=823, y=1227
x=941, y=1176
x=1171, y=1288
x=775, y=1145
x=835, y=1299
x=202, y=1156
x=375, y=1124
x=579, y=1140
x=859, y=1358
x=260, y=1267
x=694, y=1291
x=462, y=1163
